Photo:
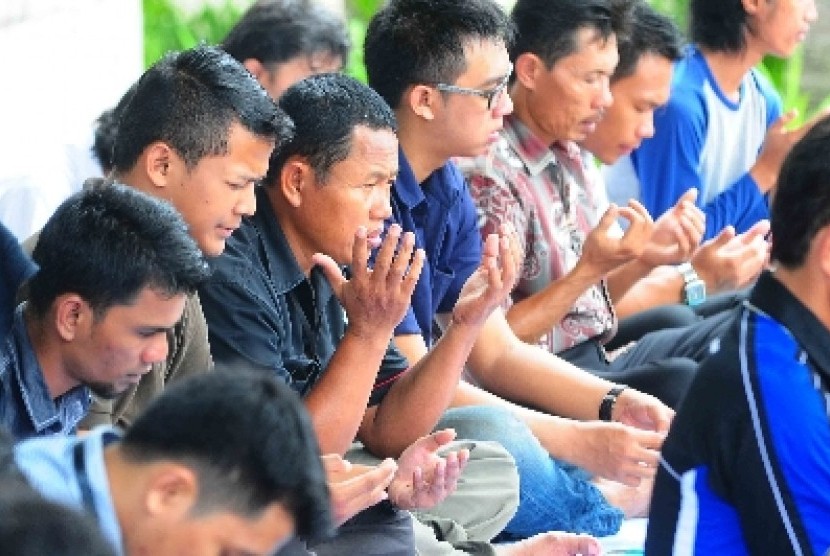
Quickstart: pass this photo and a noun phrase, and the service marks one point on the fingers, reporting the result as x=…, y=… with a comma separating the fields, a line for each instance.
x=397, y=262
x=335, y=465
x=432, y=442
x=350, y=496
x=759, y=229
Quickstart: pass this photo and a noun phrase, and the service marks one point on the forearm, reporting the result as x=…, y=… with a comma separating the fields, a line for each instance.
x=555, y=434
x=530, y=376
x=622, y=280
x=337, y=402
x=533, y=317
x=420, y=397
x=662, y=286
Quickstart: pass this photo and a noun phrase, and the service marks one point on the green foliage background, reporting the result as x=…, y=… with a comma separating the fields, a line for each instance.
x=167, y=27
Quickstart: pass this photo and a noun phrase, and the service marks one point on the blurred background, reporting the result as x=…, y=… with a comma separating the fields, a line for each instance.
x=63, y=62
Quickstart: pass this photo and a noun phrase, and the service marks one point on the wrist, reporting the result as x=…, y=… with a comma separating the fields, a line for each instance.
x=693, y=290
x=606, y=406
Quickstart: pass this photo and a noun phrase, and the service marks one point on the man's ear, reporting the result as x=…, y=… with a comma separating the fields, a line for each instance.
x=172, y=490
x=161, y=163
x=527, y=68
x=422, y=101
x=751, y=7
x=72, y=314
x=255, y=68
x=295, y=176
x=821, y=243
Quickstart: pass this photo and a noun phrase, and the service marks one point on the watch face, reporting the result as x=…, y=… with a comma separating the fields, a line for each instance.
x=695, y=293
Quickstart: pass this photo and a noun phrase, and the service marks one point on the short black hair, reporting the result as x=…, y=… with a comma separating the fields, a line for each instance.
x=30, y=525
x=107, y=244
x=801, y=202
x=106, y=130
x=248, y=438
x=189, y=100
x=325, y=109
x=409, y=42
x=651, y=33
x=549, y=28
x=275, y=31
x=719, y=25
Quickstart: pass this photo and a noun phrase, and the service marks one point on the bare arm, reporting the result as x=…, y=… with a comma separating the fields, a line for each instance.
x=423, y=394
x=603, y=251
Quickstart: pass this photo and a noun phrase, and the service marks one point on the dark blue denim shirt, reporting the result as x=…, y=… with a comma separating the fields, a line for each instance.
x=26, y=407
x=263, y=312
x=442, y=215
x=15, y=268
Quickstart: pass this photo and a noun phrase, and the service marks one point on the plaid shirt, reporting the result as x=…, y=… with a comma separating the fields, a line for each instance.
x=552, y=199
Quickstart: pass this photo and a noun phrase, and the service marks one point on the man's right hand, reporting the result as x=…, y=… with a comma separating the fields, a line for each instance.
x=604, y=249
x=376, y=299
x=730, y=262
x=353, y=488
x=615, y=451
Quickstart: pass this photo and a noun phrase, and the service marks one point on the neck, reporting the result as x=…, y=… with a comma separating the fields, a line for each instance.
x=137, y=180
x=125, y=483
x=289, y=230
x=810, y=287
x=47, y=351
x=730, y=68
x=423, y=151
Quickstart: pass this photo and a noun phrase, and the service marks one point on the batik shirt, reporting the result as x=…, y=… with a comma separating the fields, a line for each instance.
x=547, y=193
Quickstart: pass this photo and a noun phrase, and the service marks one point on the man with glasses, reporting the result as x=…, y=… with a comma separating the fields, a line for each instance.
x=493, y=95
x=468, y=52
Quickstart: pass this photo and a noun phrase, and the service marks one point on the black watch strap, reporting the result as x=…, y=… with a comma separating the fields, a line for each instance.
x=606, y=406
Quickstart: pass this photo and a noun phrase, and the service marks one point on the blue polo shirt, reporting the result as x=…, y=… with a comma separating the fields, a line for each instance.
x=26, y=407
x=442, y=215
x=51, y=467
x=16, y=267
x=745, y=468
x=263, y=312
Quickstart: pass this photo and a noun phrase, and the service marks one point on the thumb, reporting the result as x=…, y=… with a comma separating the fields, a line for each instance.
x=690, y=195
x=724, y=237
x=437, y=439
x=784, y=119
x=330, y=269
x=609, y=217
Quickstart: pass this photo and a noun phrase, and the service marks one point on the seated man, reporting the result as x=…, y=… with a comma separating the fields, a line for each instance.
x=640, y=86
x=115, y=269
x=219, y=464
x=197, y=133
x=722, y=131
x=283, y=41
x=277, y=300
x=575, y=264
x=17, y=268
x=746, y=465
x=449, y=100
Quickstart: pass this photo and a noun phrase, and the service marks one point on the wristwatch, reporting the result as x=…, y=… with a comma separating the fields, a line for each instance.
x=694, y=289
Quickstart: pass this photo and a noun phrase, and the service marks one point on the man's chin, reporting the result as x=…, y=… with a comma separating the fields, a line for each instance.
x=107, y=391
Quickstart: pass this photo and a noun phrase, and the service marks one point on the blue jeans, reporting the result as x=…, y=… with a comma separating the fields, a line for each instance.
x=553, y=495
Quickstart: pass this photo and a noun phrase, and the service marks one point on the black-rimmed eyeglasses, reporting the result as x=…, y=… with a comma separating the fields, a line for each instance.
x=492, y=95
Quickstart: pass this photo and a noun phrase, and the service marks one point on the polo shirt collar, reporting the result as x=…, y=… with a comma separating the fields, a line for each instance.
x=776, y=300
x=437, y=186
x=532, y=151
x=283, y=268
